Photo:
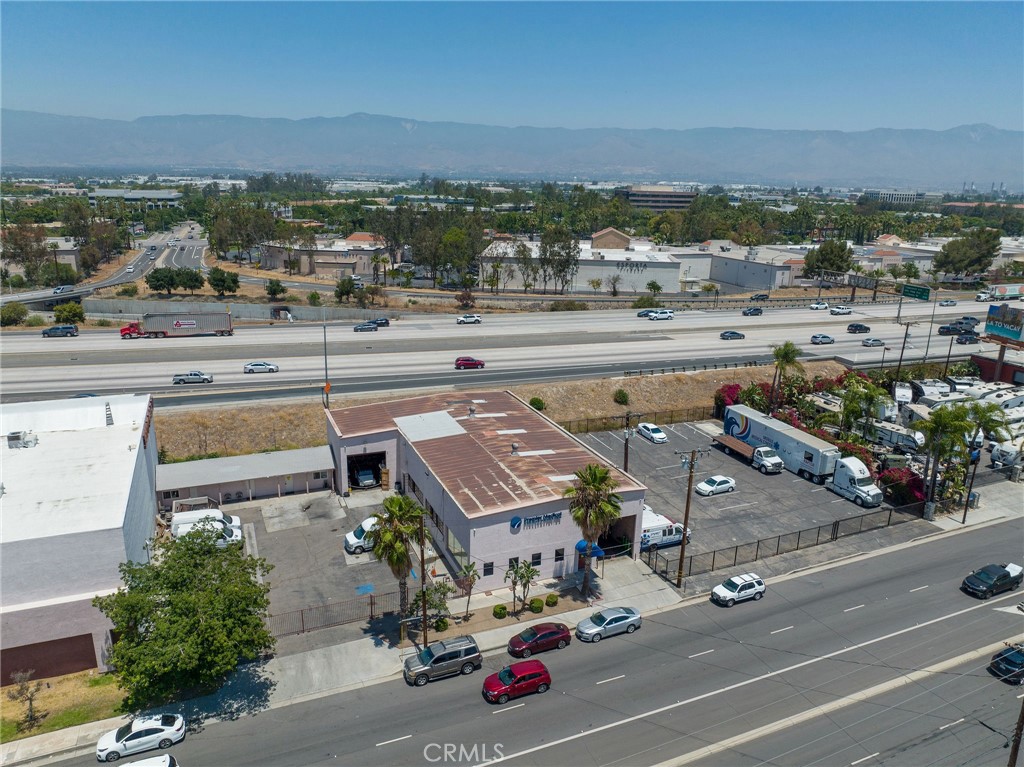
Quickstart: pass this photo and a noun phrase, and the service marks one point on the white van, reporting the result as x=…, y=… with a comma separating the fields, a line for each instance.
x=361, y=539
x=227, y=534
x=659, y=531
x=198, y=515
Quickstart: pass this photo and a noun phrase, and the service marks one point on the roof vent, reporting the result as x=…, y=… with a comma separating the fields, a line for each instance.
x=20, y=439
x=472, y=410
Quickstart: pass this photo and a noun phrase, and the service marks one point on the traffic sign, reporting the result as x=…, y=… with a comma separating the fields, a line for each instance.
x=920, y=292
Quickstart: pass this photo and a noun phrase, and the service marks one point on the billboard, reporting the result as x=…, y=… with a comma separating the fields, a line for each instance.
x=1004, y=321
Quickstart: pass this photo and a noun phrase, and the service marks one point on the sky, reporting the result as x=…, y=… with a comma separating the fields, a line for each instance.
x=781, y=65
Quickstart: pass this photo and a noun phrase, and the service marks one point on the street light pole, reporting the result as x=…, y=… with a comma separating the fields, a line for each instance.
x=327, y=383
x=625, y=449
x=903, y=348
x=970, y=487
x=948, y=355
x=423, y=581
x=931, y=327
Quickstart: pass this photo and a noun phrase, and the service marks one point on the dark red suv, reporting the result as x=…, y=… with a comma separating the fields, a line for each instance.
x=461, y=363
x=515, y=680
x=543, y=636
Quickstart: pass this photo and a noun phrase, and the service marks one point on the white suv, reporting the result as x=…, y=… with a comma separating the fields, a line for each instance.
x=738, y=588
x=840, y=310
x=469, y=319
x=662, y=314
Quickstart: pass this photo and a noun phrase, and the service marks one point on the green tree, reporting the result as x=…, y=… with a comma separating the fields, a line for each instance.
x=594, y=506
x=344, y=289
x=521, y=573
x=595, y=284
x=187, y=618
x=945, y=432
x=558, y=256
x=972, y=254
x=189, y=279
x=275, y=289
x=654, y=289
x=313, y=298
x=25, y=245
x=164, y=278
x=986, y=418
x=69, y=313
x=830, y=256
x=222, y=281
x=787, y=358
x=13, y=313
x=469, y=576
x=397, y=532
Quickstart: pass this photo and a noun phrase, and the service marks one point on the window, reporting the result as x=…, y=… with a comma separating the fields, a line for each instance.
x=535, y=559
x=559, y=555
x=319, y=475
x=168, y=494
x=488, y=568
x=513, y=562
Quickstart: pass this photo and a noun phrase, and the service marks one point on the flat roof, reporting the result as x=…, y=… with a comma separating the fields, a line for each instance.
x=77, y=475
x=171, y=476
x=471, y=454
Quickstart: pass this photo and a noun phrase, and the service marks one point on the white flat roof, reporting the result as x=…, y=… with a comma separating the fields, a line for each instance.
x=77, y=476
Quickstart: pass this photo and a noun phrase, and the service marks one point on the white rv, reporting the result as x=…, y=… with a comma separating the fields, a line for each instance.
x=983, y=391
x=929, y=387
x=1007, y=399
x=943, y=400
x=903, y=393
x=901, y=439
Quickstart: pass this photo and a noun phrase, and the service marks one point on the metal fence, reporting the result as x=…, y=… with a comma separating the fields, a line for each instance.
x=612, y=422
x=366, y=608
x=706, y=562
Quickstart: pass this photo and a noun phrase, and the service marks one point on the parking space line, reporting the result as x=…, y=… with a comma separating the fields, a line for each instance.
x=738, y=506
x=666, y=468
x=869, y=756
x=620, y=676
x=838, y=500
x=849, y=609
x=598, y=441
x=779, y=631
x=917, y=589
x=503, y=710
x=393, y=740
x=961, y=719
x=697, y=655
x=817, y=490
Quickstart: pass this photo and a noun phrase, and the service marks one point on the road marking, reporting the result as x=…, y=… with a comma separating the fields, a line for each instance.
x=738, y=506
x=699, y=654
x=871, y=756
x=620, y=676
x=1020, y=696
x=779, y=631
x=917, y=589
x=839, y=500
x=394, y=740
x=818, y=490
x=848, y=609
x=961, y=719
x=503, y=710
x=798, y=479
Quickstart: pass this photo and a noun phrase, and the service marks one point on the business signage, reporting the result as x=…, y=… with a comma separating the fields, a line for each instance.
x=1004, y=321
x=541, y=520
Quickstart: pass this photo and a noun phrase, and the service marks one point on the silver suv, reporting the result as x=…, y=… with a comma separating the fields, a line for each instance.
x=458, y=655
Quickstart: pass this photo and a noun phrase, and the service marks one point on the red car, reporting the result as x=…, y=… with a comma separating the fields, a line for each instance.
x=543, y=636
x=518, y=679
x=461, y=363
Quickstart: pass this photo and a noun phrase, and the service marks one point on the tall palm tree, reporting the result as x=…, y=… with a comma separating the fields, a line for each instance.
x=469, y=576
x=987, y=418
x=786, y=356
x=944, y=431
x=594, y=506
x=397, y=532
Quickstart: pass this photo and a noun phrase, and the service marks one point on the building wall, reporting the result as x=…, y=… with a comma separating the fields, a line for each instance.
x=754, y=275
x=614, y=240
x=36, y=569
x=141, y=512
x=51, y=639
x=342, y=448
x=337, y=263
x=1011, y=372
x=249, y=489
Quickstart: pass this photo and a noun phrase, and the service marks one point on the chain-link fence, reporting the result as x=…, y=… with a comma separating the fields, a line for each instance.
x=610, y=423
x=366, y=608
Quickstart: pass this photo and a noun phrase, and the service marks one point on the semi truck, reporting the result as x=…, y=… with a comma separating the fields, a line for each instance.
x=803, y=454
x=853, y=480
x=763, y=458
x=997, y=293
x=179, y=324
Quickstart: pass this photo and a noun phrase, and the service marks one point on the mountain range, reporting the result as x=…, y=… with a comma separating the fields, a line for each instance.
x=380, y=145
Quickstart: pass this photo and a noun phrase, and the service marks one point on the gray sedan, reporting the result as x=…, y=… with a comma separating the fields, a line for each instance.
x=608, y=622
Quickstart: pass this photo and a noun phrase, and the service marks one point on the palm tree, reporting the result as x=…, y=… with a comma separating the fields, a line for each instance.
x=987, y=417
x=594, y=506
x=944, y=436
x=469, y=576
x=786, y=356
x=397, y=531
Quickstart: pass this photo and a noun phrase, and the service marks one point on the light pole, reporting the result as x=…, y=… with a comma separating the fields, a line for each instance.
x=884, y=350
x=931, y=327
x=948, y=355
x=627, y=432
x=903, y=348
x=691, y=463
x=326, y=396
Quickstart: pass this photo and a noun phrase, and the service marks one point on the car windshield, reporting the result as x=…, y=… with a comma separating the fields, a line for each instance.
x=528, y=636
x=599, y=619
x=359, y=532
x=1015, y=656
x=731, y=585
x=984, y=576
x=656, y=431
x=505, y=676
x=769, y=453
x=427, y=654
x=123, y=732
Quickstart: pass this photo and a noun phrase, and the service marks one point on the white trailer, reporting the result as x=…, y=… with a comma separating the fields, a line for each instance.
x=803, y=454
x=902, y=439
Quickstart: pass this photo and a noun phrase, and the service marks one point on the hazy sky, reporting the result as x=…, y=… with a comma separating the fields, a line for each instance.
x=825, y=65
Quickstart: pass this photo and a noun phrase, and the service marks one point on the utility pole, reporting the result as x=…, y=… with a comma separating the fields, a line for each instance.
x=1015, y=740
x=423, y=581
x=975, y=454
x=948, y=355
x=692, y=462
x=626, y=432
x=903, y=348
x=327, y=383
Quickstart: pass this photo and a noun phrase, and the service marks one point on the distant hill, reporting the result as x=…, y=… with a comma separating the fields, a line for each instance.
x=374, y=144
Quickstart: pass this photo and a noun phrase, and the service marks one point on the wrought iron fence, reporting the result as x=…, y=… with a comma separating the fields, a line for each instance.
x=366, y=608
x=612, y=422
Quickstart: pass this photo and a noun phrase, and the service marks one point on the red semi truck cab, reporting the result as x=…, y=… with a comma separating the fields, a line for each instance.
x=132, y=330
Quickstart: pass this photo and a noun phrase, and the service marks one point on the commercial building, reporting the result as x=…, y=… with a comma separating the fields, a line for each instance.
x=333, y=257
x=79, y=499
x=151, y=198
x=656, y=197
x=491, y=473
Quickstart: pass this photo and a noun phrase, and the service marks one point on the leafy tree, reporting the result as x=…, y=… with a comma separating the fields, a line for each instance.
x=466, y=299
x=972, y=254
x=830, y=256
x=787, y=357
x=398, y=530
x=558, y=256
x=595, y=284
x=521, y=573
x=275, y=289
x=654, y=289
x=164, y=278
x=344, y=289
x=24, y=692
x=512, y=574
x=190, y=279
x=25, y=245
x=187, y=618
x=944, y=436
x=56, y=274
x=69, y=313
x=911, y=271
x=13, y=313
x=313, y=298
x=222, y=281
x=594, y=506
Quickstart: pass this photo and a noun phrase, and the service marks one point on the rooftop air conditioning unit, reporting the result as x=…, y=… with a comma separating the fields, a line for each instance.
x=19, y=439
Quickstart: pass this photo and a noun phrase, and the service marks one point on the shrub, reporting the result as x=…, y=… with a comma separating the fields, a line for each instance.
x=536, y=605
x=35, y=321
x=728, y=395
x=500, y=611
x=131, y=289
x=313, y=298
x=567, y=306
x=647, y=302
x=69, y=313
x=13, y=313
x=621, y=397
x=16, y=281
x=104, y=323
x=536, y=403
x=551, y=600
x=441, y=624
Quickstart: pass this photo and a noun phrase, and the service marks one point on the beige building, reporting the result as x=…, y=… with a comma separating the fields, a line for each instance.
x=335, y=258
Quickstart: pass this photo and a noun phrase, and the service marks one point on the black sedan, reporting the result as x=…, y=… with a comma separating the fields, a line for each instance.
x=1008, y=664
x=381, y=322
x=365, y=327
x=949, y=330
x=857, y=327
x=753, y=311
x=731, y=335
x=644, y=312
x=967, y=338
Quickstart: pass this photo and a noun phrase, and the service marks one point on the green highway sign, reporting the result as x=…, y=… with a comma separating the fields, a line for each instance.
x=916, y=291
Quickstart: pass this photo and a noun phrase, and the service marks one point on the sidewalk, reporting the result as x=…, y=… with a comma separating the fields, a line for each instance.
x=286, y=680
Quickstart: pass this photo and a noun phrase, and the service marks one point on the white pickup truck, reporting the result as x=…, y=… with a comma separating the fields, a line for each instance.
x=763, y=458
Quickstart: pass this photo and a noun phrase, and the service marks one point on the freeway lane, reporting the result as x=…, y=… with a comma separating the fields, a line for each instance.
x=691, y=677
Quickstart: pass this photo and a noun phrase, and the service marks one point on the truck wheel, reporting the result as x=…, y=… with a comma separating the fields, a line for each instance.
x=726, y=450
x=654, y=547
x=163, y=335
x=858, y=501
x=763, y=469
x=150, y=335
x=818, y=479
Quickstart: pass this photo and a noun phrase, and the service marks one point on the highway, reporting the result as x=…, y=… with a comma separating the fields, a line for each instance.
x=419, y=350
x=879, y=661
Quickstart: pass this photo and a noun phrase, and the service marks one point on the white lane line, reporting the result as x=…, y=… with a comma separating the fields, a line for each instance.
x=779, y=631
x=394, y=740
x=917, y=589
x=602, y=444
x=849, y=609
x=503, y=710
x=738, y=506
x=871, y=756
x=961, y=719
x=620, y=676
x=697, y=655
x=798, y=479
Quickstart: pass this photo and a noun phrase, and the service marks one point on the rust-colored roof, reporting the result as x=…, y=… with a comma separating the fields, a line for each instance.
x=472, y=456
x=364, y=237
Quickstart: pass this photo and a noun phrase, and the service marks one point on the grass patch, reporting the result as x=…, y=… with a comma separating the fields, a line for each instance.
x=65, y=701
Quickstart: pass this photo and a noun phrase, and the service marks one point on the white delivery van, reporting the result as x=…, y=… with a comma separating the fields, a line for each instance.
x=198, y=515
x=361, y=539
x=659, y=531
x=226, y=535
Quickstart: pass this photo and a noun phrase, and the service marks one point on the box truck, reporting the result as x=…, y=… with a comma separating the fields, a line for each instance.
x=659, y=531
x=763, y=458
x=179, y=324
x=853, y=480
x=803, y=454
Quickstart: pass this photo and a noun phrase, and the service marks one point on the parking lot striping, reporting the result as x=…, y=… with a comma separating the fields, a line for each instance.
x=839, y=500
x=870, y=756
x=848, y=609
x=738, y=506
x=961, y=719
x=620, y=676
x=817, y=490
x=700, y=653
x=917, y=589
x=598, y=441
x=666, y=468
x=503, y=710
x=1020, y=696
x=394, y=740
x=779, y=631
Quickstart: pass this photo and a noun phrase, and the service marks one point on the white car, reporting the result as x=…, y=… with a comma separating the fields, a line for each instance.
x=947, y=302
x=129, y=269
x=651, y=432
x=715, y=485
x=822, y=338
x=469, y=319
x=142, y=734
x=662, y=314
x=739, y=588
x=819, y=305
x=260, y=367
x=840, y=310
